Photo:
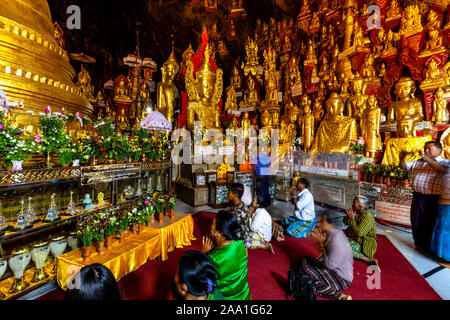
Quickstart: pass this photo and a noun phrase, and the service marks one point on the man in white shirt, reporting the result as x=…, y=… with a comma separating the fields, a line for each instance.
x=304, y=218
x=260, y=226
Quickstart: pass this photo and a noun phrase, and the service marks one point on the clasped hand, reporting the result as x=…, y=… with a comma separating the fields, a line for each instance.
x=351, y=213
x=208, y=244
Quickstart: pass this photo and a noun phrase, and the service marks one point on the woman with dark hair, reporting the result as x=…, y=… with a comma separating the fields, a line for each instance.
x=93, y=282
x=229, y=256
x=239, y=208
x=362, y=231
x=260, y=226
x=196, y=277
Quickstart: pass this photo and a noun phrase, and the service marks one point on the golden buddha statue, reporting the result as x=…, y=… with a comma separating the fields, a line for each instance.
x=336, y=130
x=370, y=127
x=266, y=120
x=293, y=74
x=234, y=125
x=166, y=90
x=99, y=99
x=231, y=102
x=223, y=169
x=236, y=80
x=252, y=65
x=360, y=39
x=389, y=48
x=307, y=128
x=434, y=39
x=311, y=54
x=246, y=125
x=204, y=90
x=445, y=142
x=85, y=84
x=382, y=71
x=369, y=70
x=411, y=23
x=287, y=46
x=433, y=77
x=109, y=112
x=379, y=45
x=356, y=103
x=294, y=113
x=394, y=12
x=324, y=41
x=407, y=143
x=122, y=121
x=318, y=111
x=440, y=113
x=324, y=72
x=406, y=106
x=345, y=83
x=144, y=93
x=251, y=96
x=187, y=55
x=275, y=117
x=214, y=34
x=121, y=93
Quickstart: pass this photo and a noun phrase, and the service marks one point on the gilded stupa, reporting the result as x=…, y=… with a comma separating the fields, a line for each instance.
x=33, y=67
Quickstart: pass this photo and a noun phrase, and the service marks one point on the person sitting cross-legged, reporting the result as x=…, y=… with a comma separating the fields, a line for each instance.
x=332, y=271
x=260, y=226
x=304, y=219
x=362, y=231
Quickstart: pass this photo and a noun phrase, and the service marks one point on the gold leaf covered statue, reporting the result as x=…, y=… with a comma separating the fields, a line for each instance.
x=121, y=91
x=167, y=92
x=252, y=65
x=411, y=21
x=445, y=141
x=440, y=113
x=307, y=127
x=370, y=127
x=251, y=96
x=406, y=143
x=85, y=84
x=336, y=130
x=231, y=102
x=394, y=11
x=406, y=106
x=434, y=41
x=356, y=103
x=204, y=89
x=433, y=77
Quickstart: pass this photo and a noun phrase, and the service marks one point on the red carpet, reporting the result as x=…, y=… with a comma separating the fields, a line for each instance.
x=268, y=273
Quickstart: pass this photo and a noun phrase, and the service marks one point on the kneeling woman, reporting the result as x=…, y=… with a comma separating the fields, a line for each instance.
x=362, y=230
x=229, y=256
x=260, y=226
x=196, y=277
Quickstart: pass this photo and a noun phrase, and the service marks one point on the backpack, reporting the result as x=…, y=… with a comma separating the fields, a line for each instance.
x=301, y=287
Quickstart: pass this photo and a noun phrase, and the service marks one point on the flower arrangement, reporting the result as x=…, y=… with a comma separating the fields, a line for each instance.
x=123, y=222
x=20, y=150
x=357, y=145
x=52, y=126
x=120, y=147
x=160, y=201
x=110, y=223
x=98, y=227
x=85, y=231
x=81, y=150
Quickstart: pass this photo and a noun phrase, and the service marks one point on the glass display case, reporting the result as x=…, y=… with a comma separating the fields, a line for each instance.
x=38, y=206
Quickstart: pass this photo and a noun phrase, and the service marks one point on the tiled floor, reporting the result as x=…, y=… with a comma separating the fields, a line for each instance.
x=402, y=240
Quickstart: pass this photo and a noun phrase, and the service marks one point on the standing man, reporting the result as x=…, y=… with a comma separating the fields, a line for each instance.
x=304, y=219
x=262, y=172
x=426, y=182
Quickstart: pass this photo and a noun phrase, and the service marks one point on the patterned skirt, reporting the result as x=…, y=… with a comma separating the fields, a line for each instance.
x=298, y=228
x=440, y=243
x=254, y=240
x=327, y=283
x=356, y=248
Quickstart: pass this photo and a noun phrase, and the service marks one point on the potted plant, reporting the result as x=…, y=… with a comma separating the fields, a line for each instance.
x=160, y=205
x=405, y=175
x=20, y=151
x=122, y=224
x=81, y=152
x=149, y=208
x=52, y=126
x=135, y=150
x=110, y=228
x=120, y=147
x=86, y=234
x=65, y=155
x=365, y=171
x=132, y=216
x=171, y=205
x=99, y=234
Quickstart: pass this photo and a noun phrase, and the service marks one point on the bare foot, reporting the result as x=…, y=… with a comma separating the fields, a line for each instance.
x=445, y=264
x=270, y=248
x=345, y=297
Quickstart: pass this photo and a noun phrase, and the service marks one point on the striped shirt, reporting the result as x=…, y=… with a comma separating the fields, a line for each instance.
x=424, y=178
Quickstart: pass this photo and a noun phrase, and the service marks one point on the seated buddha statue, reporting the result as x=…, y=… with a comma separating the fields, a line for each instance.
x=336, y=130
x=231, y=102
x=394, y=11
x=389, y=48
x=368, y=69
x=251, y=96
x=266, y=120
x=445, y=142
x=204, y=89
x=433, y=77
x=324, y=71
x=356, y=103
x=406, y=106
x=121, y=92
x=318, y=112
x=311, y=53
x=287, y=46
x=407, y=143
x=345, y=83
x=434, y=42
x=122, y=121
x=223, y=169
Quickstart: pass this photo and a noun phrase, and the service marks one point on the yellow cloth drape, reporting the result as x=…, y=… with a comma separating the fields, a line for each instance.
x=411, y=146
x=134, y=251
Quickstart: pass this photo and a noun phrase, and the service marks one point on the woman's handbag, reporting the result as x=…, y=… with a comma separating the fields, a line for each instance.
x=301, y=287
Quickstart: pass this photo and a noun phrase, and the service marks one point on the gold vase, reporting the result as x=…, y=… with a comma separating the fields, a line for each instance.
x=48, y=159
x=18, y=286
x=39, y=275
